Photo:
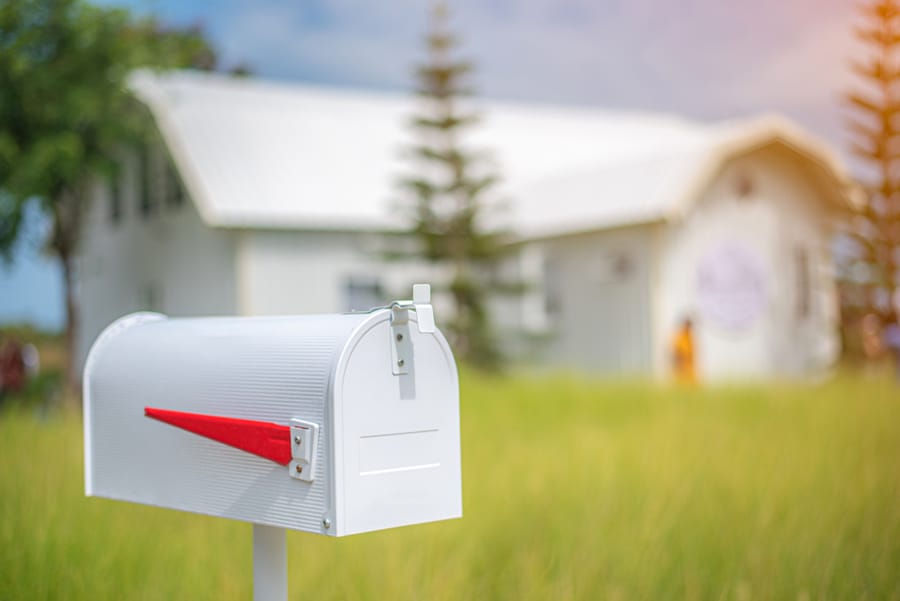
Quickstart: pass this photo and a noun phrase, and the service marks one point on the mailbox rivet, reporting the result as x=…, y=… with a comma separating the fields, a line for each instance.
x=327, y=523
x=299, y=469
x=297, y=440
x=401, y=362
x=399, y=337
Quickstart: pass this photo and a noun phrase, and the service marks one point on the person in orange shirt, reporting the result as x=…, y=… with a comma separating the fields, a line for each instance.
x=683, y=366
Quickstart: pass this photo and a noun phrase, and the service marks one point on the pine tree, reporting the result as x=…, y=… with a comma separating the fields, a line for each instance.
x=448, y=190
x=876, y=142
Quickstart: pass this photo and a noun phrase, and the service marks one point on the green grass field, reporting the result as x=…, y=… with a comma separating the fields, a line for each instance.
x=573, y=490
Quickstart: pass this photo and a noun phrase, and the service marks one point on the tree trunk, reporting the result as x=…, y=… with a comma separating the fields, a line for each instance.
x=72, y=375
x=67, y=211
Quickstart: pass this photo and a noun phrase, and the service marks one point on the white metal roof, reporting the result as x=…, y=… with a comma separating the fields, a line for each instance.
x=262, y=154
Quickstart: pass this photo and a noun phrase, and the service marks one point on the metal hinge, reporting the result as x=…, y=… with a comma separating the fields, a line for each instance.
x=401, y=344
x=304, y=441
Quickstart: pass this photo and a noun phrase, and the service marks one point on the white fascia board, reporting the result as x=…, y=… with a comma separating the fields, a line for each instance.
x=146, y=89
x=745, y=138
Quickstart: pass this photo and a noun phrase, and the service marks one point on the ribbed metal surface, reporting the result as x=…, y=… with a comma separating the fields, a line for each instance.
x=268, y=369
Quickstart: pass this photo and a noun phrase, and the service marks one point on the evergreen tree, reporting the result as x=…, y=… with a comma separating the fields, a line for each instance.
x=448, y=189
x=876, y=132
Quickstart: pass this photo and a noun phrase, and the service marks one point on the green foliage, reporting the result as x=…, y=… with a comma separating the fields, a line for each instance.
x=53, y=100
x=875, y=127
x=573, y=489
x=65, y=111
x=64, y=107
x=449, y=187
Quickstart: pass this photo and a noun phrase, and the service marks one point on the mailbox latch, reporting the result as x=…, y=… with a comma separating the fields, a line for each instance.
x=304, y=441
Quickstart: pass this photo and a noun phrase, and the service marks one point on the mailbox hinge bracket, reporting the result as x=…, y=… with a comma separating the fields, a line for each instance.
x=304, y=442
x=401, y=343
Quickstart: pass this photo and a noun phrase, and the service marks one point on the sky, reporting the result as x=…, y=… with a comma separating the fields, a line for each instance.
x=703, y=59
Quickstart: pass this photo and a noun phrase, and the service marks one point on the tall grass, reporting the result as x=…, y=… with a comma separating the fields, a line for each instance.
x=573, y=489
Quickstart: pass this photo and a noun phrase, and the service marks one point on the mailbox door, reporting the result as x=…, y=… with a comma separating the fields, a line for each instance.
x=398, y=452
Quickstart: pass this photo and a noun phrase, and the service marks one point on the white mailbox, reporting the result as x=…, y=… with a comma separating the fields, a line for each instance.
x=335, y=424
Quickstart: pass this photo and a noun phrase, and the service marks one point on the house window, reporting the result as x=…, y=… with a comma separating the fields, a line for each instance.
x=145, y=176
x=744, y=186
x=614, y=267
x=362, y=293
x=150, y=297
x=115, y=198
x=801, y=265
x=174, y=188
x=552, y=289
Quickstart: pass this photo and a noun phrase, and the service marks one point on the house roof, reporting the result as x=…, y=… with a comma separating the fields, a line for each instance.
x=258, y=154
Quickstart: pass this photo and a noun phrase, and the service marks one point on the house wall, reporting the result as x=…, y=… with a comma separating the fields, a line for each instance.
x=167, y=261
x=290, y=271
x=588, y=306
x=606, y=301
x=738, y=262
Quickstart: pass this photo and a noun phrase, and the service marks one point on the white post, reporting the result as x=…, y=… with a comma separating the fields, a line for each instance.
x=269, y=563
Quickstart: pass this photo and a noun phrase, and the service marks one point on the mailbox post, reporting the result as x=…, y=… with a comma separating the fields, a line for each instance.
x=269, y=563
x=332, y=424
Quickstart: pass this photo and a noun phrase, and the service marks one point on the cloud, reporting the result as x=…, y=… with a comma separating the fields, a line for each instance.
x=703, y=58
x=352, y=44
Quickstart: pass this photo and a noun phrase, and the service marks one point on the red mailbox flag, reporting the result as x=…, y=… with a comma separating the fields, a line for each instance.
x=265, y=439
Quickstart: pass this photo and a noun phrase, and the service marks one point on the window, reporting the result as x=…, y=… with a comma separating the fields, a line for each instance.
x=534, y=298
x=614, y=267
x=115, y=198
x=174, y=188
x=150, y=297
x=744, y=186
x=362, y=293
x=145, y=177
x=801, y=265
x=552, y=289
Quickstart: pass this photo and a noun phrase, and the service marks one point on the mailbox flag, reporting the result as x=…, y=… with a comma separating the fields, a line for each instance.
x=265, y=439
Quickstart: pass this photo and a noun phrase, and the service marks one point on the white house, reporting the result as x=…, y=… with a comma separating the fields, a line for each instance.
x=264, y=198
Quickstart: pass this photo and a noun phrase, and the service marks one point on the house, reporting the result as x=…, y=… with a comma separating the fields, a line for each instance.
x=263, y=198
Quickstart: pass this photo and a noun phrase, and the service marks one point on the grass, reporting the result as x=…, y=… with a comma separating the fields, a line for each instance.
x=573, y=489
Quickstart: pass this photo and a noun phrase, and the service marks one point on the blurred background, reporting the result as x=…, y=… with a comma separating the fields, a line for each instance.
x=669, y=234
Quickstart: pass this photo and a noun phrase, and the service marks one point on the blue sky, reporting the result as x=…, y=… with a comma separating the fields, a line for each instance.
x=705, y=59
x=31, y=285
